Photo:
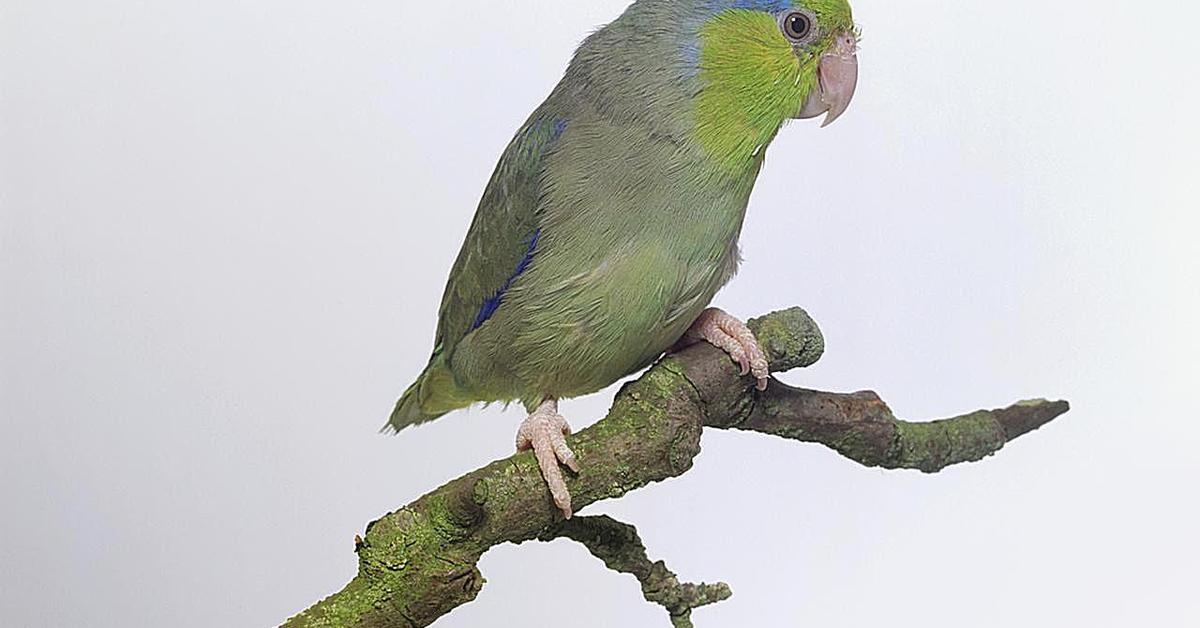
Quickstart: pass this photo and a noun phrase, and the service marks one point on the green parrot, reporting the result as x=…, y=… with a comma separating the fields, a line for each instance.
x=614, y=214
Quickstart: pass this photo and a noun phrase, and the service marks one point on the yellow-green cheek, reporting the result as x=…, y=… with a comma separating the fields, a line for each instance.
x=752, y=81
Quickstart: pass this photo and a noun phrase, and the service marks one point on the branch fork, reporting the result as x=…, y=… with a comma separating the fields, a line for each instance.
x=420, y=562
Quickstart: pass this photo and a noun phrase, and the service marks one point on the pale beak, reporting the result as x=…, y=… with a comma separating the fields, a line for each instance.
x=837, y=76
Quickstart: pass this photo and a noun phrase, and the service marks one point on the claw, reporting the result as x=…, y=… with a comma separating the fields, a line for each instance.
x=545, y=433
x=733, y=336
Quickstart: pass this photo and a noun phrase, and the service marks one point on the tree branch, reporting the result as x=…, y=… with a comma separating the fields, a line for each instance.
x=618, y=545
x=419, y=563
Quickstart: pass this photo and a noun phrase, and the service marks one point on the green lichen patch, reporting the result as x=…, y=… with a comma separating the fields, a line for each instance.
x=931, y=447
x=790, y=338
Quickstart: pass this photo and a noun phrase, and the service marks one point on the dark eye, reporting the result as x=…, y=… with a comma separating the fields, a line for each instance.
x=797, y=26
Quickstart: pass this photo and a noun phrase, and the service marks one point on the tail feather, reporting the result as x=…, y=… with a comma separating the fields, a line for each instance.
x=433, y=394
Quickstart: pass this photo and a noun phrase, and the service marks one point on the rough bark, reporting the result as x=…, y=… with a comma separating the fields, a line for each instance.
x=620, y=548
x=419, y=563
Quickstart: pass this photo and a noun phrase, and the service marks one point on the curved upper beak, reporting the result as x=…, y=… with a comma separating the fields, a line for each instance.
x=837, y=77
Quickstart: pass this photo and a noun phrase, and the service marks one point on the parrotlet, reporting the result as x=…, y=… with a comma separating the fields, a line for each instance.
x=614, y=214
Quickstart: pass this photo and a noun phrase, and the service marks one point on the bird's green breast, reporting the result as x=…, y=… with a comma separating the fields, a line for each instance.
x=638, y=233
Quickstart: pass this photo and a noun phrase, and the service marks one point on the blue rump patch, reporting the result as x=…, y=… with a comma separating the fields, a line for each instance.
x=492, y=304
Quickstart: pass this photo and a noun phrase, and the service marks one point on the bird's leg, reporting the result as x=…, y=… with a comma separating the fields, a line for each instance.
x=544, y=432
x=733, y=337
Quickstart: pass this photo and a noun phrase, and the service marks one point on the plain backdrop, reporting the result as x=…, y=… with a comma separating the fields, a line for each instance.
x=226, y=227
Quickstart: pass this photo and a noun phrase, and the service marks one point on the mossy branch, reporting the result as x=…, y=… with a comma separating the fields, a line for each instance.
x=419, y=563
x=621, y=549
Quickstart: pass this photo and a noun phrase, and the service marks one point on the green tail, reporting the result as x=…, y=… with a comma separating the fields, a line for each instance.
x=433, y=394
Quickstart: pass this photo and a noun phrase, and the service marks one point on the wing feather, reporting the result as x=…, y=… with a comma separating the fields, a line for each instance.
x=503, y=237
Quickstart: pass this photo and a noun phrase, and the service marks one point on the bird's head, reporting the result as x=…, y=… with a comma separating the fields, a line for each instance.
x=762, y=62
x=726, y=73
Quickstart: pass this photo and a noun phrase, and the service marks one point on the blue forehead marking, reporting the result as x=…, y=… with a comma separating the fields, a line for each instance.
x=771, y=6
x=691, y=46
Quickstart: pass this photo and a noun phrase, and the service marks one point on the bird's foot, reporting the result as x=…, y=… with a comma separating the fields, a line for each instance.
x=544, y=432
x=732, y=336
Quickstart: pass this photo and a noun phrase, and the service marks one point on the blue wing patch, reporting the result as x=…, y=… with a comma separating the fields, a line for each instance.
x=540, y=136
x=492, y=304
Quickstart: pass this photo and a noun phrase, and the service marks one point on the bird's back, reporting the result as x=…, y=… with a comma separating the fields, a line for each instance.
x=603, y=233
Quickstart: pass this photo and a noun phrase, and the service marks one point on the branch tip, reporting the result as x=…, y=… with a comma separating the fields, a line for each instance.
x=420, y=562
x=620, y=548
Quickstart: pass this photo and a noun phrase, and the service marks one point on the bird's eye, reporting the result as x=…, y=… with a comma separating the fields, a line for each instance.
x=797, y=26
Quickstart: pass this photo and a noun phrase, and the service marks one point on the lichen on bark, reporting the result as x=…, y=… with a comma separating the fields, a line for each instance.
x=420, y=562
x=620, y=548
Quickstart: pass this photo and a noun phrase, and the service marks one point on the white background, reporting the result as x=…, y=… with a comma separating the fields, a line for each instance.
x=226, y=227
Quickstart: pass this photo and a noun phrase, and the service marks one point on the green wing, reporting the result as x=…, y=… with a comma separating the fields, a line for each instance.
x=498, y=248
x=503, y=236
